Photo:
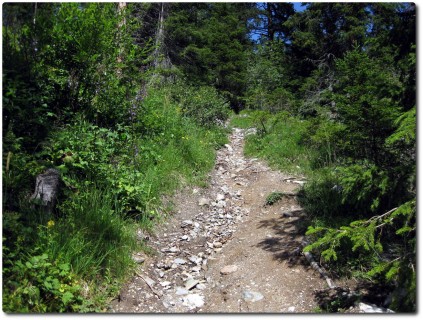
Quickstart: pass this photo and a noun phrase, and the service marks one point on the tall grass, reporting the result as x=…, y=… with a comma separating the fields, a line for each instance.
x=92, y=236
x=113, y=185
x=279, y=140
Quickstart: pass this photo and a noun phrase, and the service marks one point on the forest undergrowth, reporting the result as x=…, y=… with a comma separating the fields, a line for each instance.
x=128, y=100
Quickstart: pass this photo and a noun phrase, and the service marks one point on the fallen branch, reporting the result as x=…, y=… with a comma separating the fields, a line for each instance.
x=316, y=267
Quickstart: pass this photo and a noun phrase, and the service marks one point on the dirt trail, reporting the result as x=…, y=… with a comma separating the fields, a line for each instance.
x=224, y=250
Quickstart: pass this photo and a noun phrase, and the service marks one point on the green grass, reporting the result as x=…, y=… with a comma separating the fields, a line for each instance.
x=274, y=197
x=93, y=236
x=114, y=186
x=281, y=145
x=69, y=263
x=243, y=120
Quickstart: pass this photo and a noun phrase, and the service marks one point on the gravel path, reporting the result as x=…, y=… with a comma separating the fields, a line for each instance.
x=224, y=250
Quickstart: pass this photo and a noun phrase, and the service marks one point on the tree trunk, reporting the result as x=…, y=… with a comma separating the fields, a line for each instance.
x=122, y=23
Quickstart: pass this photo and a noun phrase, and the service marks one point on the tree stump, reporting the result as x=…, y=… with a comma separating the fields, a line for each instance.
x=46, y=190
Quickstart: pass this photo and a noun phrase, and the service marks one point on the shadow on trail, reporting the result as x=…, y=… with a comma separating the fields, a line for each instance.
x=286, y=243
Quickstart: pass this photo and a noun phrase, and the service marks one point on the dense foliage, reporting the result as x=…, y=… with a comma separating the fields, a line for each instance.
x=77, y=97
x=337, y=97
x=127, y=101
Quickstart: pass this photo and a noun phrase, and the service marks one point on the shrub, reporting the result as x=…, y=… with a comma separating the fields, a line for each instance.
x=39, y=284
x=204, y=104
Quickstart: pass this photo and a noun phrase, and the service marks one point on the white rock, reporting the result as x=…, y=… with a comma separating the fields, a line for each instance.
x=201, y=286
x=301, y=183
x=179, y=261
x=193, y=301
x=181, y=291
x=371, y=308
x=221, y=204
x=217, y=244
x=220, y=197
x=291, y=309
x=225, y=189
x=229, y=148
x=165, y=283
x=251, y=296
x=193, y=258
x=191, y=283
x=186, y=223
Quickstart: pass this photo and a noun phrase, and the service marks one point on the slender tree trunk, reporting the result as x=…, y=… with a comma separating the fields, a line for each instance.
x=161, y=59
x=270, y=28
x=35, y=14
x=122, y=23
x=159, y=45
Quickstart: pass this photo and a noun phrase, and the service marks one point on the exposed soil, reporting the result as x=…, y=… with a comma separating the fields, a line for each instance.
x=227, y=228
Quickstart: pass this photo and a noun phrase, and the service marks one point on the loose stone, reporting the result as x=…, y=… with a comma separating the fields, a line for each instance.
x=220, y=197
x=196, y=269
x=193, y=301
x=371, y=308
x=251, y=296
x=181, y=291
x=138, y=259
x=179, y=261
x=228, y=269
x=217, y=244
x=191, y=283
x=149, y=281
x=186, y=223
x=201, y=286
x=203, y=202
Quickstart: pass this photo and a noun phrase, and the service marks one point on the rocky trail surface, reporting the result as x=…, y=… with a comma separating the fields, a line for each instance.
x=225, y=250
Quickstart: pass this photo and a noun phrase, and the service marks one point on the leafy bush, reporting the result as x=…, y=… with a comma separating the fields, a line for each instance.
x=113, y=181
x=321, y=197
x=204, y=104
x=48, y=263
x=323, y=136
x=39, y=284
